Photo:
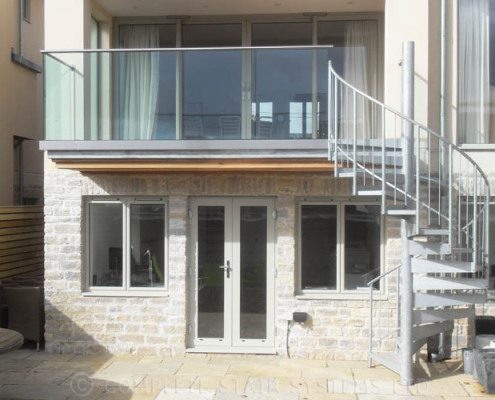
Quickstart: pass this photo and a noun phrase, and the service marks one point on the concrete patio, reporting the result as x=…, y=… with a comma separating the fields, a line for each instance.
x=27, y=374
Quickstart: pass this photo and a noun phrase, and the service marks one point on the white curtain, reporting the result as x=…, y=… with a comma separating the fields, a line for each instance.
x=474, y=74
x=360, y=70
x=139, y=79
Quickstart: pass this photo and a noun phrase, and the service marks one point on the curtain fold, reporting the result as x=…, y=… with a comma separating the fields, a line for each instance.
x=138, y=82
x=360, y=70
x=474, y=73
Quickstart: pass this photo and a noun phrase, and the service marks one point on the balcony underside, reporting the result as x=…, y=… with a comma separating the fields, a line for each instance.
x=194, y=165
x=191, y=155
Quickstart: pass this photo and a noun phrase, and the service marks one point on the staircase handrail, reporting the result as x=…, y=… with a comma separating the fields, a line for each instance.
x=370, y=285
x=406, y=118
x=461, y=187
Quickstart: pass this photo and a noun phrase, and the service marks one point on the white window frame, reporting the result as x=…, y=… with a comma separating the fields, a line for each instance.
x=125, y=290
x=339, y=291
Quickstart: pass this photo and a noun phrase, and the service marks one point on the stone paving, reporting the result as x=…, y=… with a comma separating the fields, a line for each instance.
x=27, y=374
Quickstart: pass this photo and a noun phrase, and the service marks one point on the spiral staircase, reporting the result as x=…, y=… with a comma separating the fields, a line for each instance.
x=441, y=197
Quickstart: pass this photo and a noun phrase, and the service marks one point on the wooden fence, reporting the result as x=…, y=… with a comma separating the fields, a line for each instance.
x=21, y=241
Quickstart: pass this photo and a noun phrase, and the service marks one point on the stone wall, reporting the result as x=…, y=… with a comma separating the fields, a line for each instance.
x=157, y=325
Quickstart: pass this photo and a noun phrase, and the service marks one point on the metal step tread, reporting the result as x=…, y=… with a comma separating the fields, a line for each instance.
x=369, y=192
x=389, y=359
x=430, y=232
x=424, y=266
x=423, y=282
x=426, y=330
x=377, y=170
x=439, y=315
x=400, y=211
x=426, y=300
x=427, y=248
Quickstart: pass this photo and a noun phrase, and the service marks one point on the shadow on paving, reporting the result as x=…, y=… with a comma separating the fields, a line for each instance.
x=60, y=375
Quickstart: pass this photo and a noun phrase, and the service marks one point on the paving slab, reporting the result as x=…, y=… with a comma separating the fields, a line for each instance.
x=439, y=387
x=256, y=396
x=229, y=383
x=22, y=378
x=264, y=370
x=17, y=355
x=186, y=394
x=130, y=368
x=328, y=396
x=152, y=383
x=62, y=366
x=472, y=386
x=396, y=397
x=43, y=392
x=21, y=365
x=209, y=369
x=301, y=385
x=327, y=373
x=380, y=374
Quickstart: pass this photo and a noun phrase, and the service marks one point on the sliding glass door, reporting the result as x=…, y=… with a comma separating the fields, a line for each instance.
x=208, y=90
x=211, y=82
x=281, y=81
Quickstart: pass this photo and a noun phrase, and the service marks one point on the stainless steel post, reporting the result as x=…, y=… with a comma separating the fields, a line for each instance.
x=406, y=305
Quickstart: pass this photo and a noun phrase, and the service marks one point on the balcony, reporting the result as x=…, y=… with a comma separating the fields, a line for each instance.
x=261, y=93
x=188, y=103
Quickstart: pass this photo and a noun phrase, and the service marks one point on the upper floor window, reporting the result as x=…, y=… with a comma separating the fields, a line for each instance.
x=476, y=93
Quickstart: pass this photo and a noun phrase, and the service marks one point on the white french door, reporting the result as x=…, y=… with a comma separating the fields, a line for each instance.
x=233, y=274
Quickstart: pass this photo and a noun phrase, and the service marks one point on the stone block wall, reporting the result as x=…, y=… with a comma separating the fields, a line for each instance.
x=157, y=325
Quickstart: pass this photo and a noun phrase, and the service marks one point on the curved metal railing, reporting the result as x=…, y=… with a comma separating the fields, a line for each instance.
x=447, y=191
x=371, y=327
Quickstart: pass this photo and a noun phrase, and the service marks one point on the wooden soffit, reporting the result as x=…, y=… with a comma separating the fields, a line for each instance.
x=197, y=165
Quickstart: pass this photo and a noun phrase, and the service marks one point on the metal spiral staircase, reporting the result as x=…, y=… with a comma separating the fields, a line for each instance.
x=439, y=194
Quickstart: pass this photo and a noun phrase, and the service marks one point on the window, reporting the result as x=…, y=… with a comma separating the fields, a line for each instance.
x=339, y=246
x=265, y=93
x=126, y=244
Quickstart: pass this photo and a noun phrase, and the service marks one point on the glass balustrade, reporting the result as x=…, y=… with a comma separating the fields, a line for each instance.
x=188, y=94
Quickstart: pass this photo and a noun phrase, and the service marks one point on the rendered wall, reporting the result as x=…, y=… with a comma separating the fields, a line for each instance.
x=21, y=112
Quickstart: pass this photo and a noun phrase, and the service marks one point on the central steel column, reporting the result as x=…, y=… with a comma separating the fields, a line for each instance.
x=406, y=295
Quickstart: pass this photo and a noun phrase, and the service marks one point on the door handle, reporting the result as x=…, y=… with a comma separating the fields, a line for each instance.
x=226, y=268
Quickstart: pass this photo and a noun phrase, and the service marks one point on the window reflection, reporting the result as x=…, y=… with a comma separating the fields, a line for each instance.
x=362, y=245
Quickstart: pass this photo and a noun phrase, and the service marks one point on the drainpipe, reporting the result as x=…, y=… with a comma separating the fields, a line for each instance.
x=444, y=338
x=443, y=18
x=21, y=27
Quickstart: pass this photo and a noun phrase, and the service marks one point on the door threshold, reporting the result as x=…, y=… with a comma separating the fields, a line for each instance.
x=232, y=350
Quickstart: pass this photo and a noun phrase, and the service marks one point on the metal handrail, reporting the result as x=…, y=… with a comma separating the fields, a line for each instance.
x=185, y=49
x=470, y=182
x=370, y=285
x=404, y=117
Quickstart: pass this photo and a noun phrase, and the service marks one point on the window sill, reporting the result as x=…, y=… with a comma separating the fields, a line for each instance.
x=115, y=293
x=341, y=296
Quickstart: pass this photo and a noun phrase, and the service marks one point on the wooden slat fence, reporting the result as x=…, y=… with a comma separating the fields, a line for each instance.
x=21, y=241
